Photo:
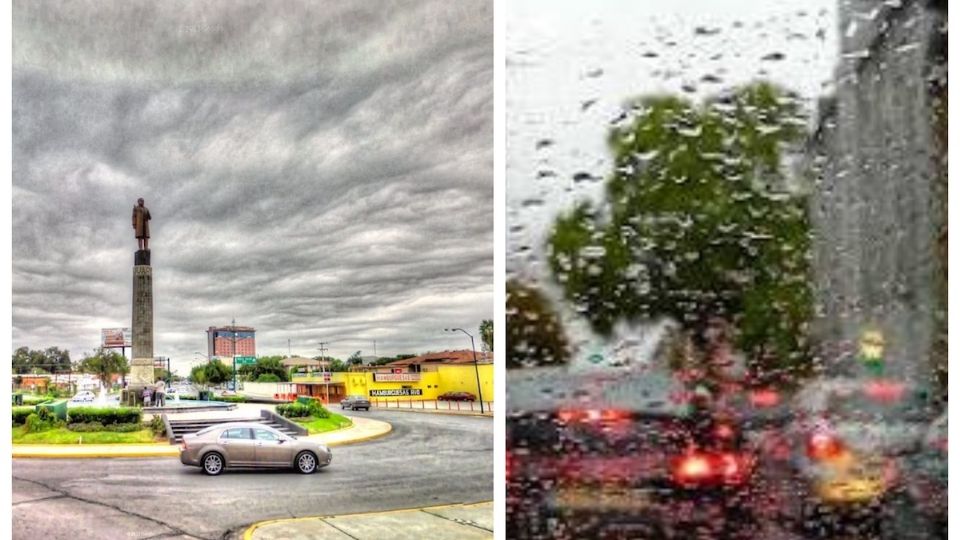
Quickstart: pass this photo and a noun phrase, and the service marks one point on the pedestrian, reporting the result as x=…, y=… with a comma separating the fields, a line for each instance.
x=146, y=396
x=160, y=393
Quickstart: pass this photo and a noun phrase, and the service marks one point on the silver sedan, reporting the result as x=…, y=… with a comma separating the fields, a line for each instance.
x=250, y=445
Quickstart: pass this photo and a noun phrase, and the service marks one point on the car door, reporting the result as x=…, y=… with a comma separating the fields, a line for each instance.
x=273, y=450
x=239, y=446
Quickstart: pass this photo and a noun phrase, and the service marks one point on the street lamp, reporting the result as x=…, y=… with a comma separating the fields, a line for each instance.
x=476, y=367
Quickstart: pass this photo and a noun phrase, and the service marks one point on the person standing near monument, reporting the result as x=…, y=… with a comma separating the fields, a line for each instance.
x=141, y=224
x=160, y=394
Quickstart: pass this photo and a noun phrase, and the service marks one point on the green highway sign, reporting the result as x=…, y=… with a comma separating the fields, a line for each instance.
x=245, y=360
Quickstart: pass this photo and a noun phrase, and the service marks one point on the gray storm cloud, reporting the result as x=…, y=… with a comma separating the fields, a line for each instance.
x=317, y=172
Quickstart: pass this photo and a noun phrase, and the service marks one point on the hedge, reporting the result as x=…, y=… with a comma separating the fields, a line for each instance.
x=300, y=410
x=232, y=399
x=293, y=410
x=105, y=415
x=20, y=415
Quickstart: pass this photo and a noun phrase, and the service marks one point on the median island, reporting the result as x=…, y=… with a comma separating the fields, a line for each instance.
x=313, y=416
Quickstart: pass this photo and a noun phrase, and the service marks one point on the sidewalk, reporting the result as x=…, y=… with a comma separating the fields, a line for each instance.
x=363, y=429
x=451, y=522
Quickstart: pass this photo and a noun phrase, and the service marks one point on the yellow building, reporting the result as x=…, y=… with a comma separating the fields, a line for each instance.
x=421, y=378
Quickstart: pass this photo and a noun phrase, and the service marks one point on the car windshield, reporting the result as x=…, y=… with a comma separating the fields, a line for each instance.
x=734, y=208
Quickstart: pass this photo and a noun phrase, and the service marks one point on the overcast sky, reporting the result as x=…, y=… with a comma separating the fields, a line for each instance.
x=572, y=65
x=319, y=171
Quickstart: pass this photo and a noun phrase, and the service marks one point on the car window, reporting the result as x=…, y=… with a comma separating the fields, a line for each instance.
x=236, y=433
x=266, y=435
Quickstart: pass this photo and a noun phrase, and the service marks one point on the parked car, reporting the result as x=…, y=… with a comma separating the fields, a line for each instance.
x=457, y=396
x=355, y=402
x=250, y=445
x=84, y=396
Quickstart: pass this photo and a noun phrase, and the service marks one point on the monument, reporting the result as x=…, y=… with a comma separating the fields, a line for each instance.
x=141, y=365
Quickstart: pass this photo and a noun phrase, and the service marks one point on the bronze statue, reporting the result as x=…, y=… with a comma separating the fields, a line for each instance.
x=141, y=224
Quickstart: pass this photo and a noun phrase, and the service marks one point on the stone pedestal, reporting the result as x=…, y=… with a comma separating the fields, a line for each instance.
x=141, y=366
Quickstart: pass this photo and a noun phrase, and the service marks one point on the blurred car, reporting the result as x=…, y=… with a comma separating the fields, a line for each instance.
x=84, y=396
x=923, y=513
x=851, y=437
x=250, y=445
x=355, y=402
x=622, y=456
x=457, y=396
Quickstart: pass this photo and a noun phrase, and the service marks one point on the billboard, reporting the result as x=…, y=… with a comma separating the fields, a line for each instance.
x=115, y=338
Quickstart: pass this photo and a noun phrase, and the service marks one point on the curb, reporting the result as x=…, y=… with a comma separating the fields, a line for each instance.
x=248, y=533
x=160, y=450
x=428, y=411
x=365, y=438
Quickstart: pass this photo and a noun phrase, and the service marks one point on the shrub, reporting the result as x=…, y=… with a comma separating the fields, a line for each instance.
x=293, y=410
x=123, y=428
x=20, y=414
x=85, y=427
x=105, y=415
x=233, y=399
x=301, y=410
x=34, y=400
x=268, y=377
x=35, y=424
x=157, y=425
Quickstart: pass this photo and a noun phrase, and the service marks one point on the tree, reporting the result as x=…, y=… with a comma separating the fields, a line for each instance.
x=699, y=226
x=198, y=375
x=486, y=334
x=338, y=365
x=266, y=365
x=355, y=359
x=104, y=364
x=535, y=336
x=216, y=372
x=51, y=360
x=268, y=377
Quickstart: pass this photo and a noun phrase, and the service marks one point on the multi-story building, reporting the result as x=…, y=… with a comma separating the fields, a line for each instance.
x=879, y=208
x=227, y=341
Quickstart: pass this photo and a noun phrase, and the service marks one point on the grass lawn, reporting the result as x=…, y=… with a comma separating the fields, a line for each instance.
x=65, y=436
x=319, y=425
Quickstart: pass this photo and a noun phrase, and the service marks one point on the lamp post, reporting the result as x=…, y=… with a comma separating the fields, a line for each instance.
x=476, y=366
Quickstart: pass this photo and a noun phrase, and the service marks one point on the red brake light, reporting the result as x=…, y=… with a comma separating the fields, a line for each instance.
x=699, y=468
x=693, y=468
x=882, y=390
x=605, y=416
x=764, y=398
x=824, y=446
x=723, y=431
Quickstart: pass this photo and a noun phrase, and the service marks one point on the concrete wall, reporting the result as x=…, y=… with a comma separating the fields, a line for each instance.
x=877, y=211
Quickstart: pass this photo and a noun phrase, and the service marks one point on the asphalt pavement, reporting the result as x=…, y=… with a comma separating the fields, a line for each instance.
x=427, y=460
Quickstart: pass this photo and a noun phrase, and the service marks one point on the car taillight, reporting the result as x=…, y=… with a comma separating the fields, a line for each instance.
x=603, y=416
x=699, y=468
x=694, y=468
x=824, y=446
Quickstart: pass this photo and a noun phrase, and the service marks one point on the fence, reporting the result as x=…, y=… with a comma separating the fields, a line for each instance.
x=429, y=404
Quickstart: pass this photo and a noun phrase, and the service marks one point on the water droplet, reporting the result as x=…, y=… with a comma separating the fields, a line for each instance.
x=774, y=57
x=544, y=143
x=594, y=73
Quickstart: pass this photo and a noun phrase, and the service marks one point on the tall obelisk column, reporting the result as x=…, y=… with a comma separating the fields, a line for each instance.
x=141, y=366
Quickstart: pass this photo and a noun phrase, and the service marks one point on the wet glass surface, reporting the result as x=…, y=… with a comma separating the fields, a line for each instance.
x=726, y=297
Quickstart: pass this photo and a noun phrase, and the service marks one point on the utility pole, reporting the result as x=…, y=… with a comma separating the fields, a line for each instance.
x=326, y=385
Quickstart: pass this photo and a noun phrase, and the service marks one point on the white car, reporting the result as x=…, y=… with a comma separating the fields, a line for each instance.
x=84, y=396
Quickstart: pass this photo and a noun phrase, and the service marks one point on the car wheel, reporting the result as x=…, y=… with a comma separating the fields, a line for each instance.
x=213, y=464
x=306, y=462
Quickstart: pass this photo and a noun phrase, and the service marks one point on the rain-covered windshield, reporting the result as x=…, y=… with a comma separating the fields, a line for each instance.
x=718, y=212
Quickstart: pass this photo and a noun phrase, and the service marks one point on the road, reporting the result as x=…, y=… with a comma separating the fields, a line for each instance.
x=427, y=460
